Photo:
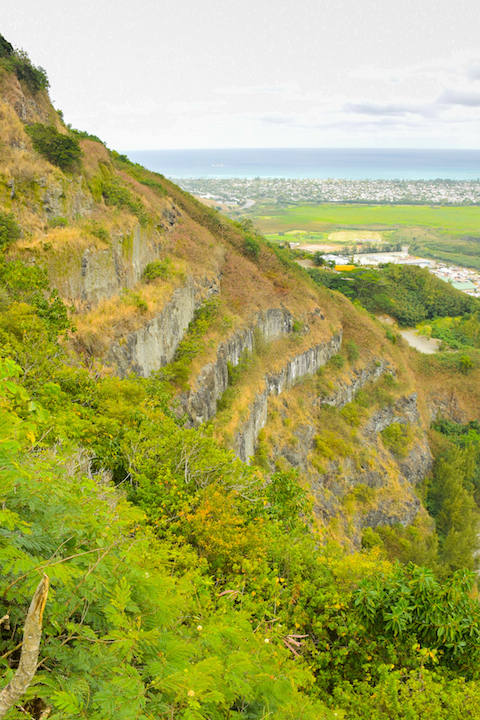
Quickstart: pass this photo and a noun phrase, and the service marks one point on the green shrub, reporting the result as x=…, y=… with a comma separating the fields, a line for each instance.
x=135, y=300
x=337, y=361
x=351, y=414
x=82, y=134
x=57, y=222
x=5, y=48
x=18, y=62
x=466, y=364
x=98, y=231
x=331, y=445
x=370, y=538
x=157, y=269
x=9, y=229
x=61, y=150
x=397, y=438
x=35, y=78
x=117, y=194
x=251, y=246
x=391, y=336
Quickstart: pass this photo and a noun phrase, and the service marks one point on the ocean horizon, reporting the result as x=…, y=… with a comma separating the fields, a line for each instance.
x=313, y=163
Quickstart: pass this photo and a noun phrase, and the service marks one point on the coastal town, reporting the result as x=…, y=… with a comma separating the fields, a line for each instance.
x=239, y=193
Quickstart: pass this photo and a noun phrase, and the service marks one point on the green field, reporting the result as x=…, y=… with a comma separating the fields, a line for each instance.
x=325, y=217
x=450, y=234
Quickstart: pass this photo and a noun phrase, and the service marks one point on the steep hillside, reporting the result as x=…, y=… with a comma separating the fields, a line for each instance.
x=215, y=460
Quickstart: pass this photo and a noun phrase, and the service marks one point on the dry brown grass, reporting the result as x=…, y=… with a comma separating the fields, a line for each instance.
x=37, y=105
x=94, y=153
x=196, y=246
x=115, y=318
x=274, y=357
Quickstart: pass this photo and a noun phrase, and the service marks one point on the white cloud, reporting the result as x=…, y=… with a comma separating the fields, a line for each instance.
x=454, y=96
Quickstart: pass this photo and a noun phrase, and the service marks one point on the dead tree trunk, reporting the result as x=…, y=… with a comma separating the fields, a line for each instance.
x=32, y=635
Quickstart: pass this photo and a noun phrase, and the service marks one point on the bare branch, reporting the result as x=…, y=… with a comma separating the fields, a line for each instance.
x=32, y=635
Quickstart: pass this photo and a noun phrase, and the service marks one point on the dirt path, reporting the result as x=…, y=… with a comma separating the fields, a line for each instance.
x=420, y=342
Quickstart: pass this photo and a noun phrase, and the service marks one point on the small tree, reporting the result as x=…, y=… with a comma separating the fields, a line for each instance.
x=5, y=48
x=61, y=150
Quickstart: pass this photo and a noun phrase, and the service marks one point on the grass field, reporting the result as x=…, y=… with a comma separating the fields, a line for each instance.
x=322, y=218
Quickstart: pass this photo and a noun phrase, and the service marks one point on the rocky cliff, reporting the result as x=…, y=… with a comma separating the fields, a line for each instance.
x=200, y=403
x=306, y=363
x=153, y=346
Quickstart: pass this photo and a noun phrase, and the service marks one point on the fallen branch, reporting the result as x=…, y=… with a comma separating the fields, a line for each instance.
x=32, y=635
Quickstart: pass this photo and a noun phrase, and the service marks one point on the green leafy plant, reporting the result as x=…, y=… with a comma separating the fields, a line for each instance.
x=337, y=361
x=98, y=230
x=17, y=61
x=353, y=352
x=397, y=437
x=59, y=149
x=57, y=222
x=157, y=269
x=135, y=299
x=6, y=49
x=117, y=194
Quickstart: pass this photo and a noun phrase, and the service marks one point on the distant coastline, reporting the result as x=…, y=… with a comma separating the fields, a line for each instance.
x=313, y=163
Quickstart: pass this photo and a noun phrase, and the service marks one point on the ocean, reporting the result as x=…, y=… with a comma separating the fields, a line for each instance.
x=321, y=163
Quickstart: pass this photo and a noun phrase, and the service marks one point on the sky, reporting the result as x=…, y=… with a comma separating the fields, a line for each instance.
x=164, y=74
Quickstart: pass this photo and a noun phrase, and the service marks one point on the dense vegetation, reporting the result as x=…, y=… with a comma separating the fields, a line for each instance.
x=59, y=149
x=407, y=293
x=458, y=333
x=463, y=250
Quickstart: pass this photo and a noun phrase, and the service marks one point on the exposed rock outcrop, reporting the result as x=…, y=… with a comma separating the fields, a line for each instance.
x=98, y=274
x=200, y=404
x=346, y=390
x=303, y=364
x=404, y=411
x=153, y=346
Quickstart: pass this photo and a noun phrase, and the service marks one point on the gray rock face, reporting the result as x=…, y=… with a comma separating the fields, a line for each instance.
x=52, y=204
x=447, y=406
x=306, y=363
x=99, y=274
x=247, y=437
x=346, y=391
x=404, y=411
x=274, y=323
x=418, y=464
x=201, y=403
x=153, y=346
x=392, y=513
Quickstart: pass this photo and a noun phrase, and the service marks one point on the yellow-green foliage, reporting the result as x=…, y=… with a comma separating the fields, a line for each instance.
x=331, y=446
x=397, y=437
x=351, y=413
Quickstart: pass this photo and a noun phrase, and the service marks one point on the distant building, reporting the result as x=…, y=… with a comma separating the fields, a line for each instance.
x=464, y=286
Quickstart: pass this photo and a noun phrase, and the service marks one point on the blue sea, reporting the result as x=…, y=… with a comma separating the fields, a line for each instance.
x=321, y=163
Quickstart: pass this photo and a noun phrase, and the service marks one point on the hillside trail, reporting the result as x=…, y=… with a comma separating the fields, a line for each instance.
x=420, y=342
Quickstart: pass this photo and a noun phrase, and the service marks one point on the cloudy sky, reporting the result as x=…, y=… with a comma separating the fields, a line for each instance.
x=159, y=74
